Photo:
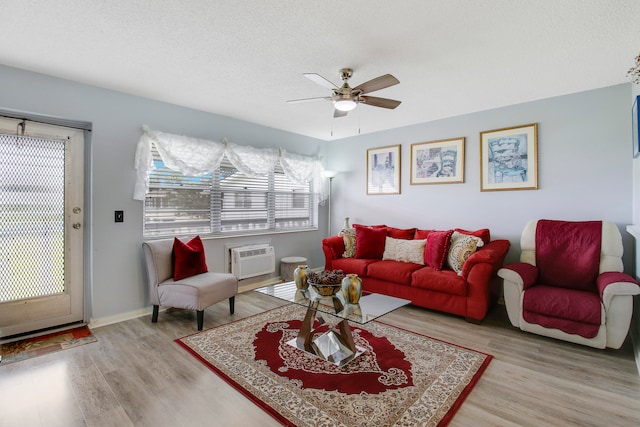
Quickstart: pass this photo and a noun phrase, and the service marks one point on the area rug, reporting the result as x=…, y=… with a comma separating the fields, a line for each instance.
x=44, y=344
x=403, y=378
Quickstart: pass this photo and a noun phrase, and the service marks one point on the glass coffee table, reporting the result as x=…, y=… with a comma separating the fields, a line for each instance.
x=336, y=345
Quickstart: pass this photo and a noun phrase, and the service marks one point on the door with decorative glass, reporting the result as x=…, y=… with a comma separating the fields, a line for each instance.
x=41, y=234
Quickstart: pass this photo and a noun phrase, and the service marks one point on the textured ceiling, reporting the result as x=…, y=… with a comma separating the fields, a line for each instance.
x=244, y=59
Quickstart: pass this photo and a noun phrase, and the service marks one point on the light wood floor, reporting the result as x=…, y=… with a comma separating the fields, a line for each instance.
x=135, y=375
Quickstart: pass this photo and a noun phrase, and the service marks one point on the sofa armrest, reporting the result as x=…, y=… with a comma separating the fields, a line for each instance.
x=333, y=248
x=522, y=274
x=614, y=283
x=492, y=253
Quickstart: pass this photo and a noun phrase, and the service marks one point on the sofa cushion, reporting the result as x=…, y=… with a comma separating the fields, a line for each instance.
x=400, y=233
x=446, y=281
x=188, y=258
x=353, y=265
x=436, y=248
x=404, y=250
x=462, y=247
x=393, y=271
x=421, y=234
x=549, y=305
x=482, y=233
x=370, y=242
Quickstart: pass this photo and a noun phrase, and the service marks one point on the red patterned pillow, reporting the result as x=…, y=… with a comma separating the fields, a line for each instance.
x=370, y=242
x=482, y=233
x=437, y=248
x=400, y=233
x=188, y=258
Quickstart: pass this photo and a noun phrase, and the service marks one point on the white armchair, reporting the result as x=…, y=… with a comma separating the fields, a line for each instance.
x=194, y=293
x=569, y=284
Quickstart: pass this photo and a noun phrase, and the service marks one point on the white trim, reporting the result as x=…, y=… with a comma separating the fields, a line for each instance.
x=121, y=317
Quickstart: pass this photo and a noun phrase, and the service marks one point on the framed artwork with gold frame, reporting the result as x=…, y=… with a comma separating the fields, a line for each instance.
x=438, y=162
x=509, y=158
x=383, y=170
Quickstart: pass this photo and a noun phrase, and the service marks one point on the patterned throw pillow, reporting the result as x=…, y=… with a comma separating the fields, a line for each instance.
x=404, y=250
x=349, y=236
x=461, y=248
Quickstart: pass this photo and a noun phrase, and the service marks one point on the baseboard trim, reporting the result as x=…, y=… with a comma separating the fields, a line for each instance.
x=121, y=317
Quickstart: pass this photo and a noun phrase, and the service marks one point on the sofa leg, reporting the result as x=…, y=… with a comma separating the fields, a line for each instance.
x=154, y=315
x=232, y=303
x=200, y=316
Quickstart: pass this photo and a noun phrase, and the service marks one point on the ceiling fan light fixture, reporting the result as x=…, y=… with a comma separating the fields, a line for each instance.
x=344, y=104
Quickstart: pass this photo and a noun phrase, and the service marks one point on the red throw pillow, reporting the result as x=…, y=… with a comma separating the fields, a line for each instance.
x=188, y=258
x=370, y=242
x=400, y=233
x=437, y=248
x=483, y=233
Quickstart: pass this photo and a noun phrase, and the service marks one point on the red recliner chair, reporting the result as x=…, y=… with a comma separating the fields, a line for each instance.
x=570, y=283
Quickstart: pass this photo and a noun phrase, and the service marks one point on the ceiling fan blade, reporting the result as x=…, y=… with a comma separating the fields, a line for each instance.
x=337, y=113
x=295, y=101
x=317, y=78
x=379, y=102
x=377, y=84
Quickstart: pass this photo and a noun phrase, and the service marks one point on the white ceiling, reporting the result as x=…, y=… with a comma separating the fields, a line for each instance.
x=245, y=59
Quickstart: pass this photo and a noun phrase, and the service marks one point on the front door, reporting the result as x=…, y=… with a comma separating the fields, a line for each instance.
x=41, y=226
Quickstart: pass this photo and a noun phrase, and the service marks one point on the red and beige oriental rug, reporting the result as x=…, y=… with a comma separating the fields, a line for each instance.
x=403, y=379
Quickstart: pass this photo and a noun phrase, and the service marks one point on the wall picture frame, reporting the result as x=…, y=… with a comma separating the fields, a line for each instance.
x=635, y=130
x=509, y=158
x=383, y=170
x=438, y=162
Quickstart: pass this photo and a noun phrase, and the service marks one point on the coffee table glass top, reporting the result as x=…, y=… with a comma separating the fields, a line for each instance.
x=370, y=307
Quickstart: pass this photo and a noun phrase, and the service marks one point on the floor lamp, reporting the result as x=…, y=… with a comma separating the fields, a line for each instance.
x=330, y=174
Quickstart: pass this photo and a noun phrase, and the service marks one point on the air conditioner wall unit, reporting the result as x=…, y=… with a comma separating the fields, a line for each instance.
x=252, y=260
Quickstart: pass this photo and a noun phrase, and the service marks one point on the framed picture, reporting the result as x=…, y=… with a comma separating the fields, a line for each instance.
x=383, y=170
x=437, y=162
x=509, y=158
x=635, y=120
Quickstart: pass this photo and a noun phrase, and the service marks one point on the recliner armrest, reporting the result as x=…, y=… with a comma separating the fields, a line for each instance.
x=612, y=283
x=520, y=273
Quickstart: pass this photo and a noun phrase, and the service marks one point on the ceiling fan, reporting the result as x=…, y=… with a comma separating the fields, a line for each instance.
x=345, y=98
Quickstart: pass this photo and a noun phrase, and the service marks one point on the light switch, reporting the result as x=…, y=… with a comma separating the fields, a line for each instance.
x=119, y=216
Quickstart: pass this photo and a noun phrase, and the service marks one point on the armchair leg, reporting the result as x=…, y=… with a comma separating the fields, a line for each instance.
x=200, y=316
x=232, y=303
x=154, y=315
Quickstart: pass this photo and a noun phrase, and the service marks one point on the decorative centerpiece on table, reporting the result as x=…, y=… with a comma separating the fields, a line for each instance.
x=326, y=283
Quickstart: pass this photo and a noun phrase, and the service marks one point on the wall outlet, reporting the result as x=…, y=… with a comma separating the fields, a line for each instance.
x=119, y=216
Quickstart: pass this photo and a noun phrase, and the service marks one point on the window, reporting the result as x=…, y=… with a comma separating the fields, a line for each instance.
x=225, y=202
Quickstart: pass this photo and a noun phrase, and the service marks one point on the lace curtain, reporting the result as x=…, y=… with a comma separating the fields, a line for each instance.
x=195, y=157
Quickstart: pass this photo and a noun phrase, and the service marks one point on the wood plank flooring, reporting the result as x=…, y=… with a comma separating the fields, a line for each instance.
x=135, y=375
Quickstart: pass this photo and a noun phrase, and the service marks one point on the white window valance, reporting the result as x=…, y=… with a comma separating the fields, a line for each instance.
x=196, y=157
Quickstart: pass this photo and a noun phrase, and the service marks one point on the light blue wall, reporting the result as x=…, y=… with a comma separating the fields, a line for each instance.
x=585, y=172
x=115, y=270
x=584, y=161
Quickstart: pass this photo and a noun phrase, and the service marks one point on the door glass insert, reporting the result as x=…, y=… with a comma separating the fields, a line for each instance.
x=32, y=185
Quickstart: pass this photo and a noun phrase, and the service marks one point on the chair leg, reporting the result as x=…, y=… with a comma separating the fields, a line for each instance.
x=200, y=316
x=154, y=315
x=232, y=304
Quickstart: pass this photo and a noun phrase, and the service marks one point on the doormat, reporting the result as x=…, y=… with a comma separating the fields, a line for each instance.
x=403, y=378
x=45, y=344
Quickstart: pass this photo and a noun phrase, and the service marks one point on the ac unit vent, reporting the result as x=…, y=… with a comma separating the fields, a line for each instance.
x=251, y=261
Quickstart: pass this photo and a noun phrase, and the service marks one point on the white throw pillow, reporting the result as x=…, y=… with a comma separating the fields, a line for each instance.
x=404, y=250
x=461, y=248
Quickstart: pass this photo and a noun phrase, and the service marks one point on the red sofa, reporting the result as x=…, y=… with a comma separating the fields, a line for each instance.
x=469, y=293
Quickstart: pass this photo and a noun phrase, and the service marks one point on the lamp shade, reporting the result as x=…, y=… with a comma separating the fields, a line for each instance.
x=330, y=173
x=345, y=104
